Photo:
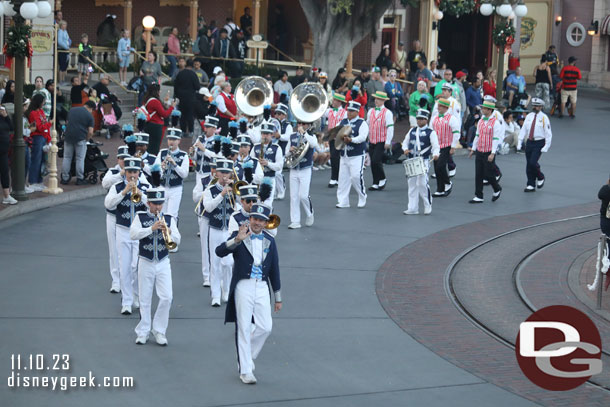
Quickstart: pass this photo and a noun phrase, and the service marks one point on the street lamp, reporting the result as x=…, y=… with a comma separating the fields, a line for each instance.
x=20, y=10
x=148, y=23
x=504, y=9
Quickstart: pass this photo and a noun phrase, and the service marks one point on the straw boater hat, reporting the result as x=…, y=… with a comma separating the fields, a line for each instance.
x=444, y=102
x=488, y=105
x=381, y=95
x=339, y=97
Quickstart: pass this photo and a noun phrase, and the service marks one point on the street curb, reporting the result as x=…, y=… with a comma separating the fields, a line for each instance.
x=52, y=200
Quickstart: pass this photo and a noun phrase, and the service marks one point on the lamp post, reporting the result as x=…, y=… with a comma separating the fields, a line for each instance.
x=21, y=10
x=504, y=9
x=148, y=23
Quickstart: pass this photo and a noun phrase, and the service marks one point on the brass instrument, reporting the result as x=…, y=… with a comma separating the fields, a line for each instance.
x=171, y=245
x=252, y=94
x=136, y=196
x=273, y=222
x=238, y=183
x=308, y=103
x=339, y=135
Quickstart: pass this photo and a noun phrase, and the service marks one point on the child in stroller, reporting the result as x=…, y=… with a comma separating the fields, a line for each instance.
x=110, y=114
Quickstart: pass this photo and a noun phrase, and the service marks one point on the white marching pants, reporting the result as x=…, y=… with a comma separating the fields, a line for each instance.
x=204, y=228
x=299, y=194
x=173, y=196
x=158, y=275
x=128, y=265
x=112, y=249
x=220, y=267
x=280, y=185
x=418, y=187
x=351, y=174
x=251, y=299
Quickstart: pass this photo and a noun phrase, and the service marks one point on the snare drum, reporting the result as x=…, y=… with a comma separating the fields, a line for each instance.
x=414, y=166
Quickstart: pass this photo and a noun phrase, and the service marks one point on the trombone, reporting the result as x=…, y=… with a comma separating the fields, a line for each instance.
x=171, y=245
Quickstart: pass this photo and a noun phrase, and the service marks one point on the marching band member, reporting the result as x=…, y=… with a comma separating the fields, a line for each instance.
x=253, y=172
x=333, y=116
x=485, y=144
x=112, y=176
x=500, y=118
x=121, y=197
x=455, y=109
x=352, y=158
x=420, y=141
x=256, y=266
x=281, y=112
x=152, y=229
x=248, y=196
x=175, y=165
x=218, y=202
x=447, y=128
x=381, y=131
x=141, y=150
x=272, y=158
x=204, y=223
x=203, y=150
x=537, y=129
x=300, y=177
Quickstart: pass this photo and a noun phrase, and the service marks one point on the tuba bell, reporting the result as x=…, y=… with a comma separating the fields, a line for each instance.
x=252, y=94
x=308, y=103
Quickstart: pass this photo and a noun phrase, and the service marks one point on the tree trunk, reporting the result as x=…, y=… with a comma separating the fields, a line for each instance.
x=335, y=35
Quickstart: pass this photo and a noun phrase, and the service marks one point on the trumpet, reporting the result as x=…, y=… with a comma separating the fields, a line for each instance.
x=273, y=222
x=171, y=245
x=136, y=196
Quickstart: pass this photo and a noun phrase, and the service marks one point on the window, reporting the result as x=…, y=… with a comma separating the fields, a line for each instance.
x=576, y=34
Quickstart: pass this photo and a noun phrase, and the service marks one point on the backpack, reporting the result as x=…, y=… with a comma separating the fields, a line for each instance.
x=142, y=109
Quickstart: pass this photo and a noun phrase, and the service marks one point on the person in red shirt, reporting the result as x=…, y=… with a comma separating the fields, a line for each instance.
x=157, y=114
x=489, y=84
x=361, y=96
x=40, y=136
x=569, y=75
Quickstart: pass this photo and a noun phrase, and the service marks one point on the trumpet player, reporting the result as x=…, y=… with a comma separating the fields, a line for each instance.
x=269, y=155
x=127, y=197
x=300, y=177
x=203, y=150
x=175, y=168
x=154, y=231
x=248, y=196
x=142, y=151
x=218, y=202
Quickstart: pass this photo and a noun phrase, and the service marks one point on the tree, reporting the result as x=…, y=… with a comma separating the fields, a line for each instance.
x=339, y=25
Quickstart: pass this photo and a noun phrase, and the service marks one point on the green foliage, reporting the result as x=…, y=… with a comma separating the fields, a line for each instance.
x=503, y=32
x=457, y=7
x=17, y=40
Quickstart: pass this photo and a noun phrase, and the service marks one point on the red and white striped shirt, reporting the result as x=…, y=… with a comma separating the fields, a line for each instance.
x=381, y=125
x=485, y=141
x=334, y=117
x=447, y=128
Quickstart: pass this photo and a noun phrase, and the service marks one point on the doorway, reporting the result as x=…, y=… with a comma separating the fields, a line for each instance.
x=465, y=42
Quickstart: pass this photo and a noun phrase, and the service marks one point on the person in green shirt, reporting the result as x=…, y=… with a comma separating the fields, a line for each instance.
x=420, y=99
x=447, y=78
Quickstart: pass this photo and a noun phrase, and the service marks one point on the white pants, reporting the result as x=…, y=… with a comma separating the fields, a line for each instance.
x=251, y=299
x=112, y=249
x=158, y=275
x=351, y=174
x=280, y=185
x=299, y=194
x=128, y=265
x=418, y=187
x=173, y=196
x=220, y=268
x=204, y=228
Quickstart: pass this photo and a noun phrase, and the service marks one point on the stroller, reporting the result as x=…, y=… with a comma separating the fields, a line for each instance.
x=110, y=114
x=94, y=161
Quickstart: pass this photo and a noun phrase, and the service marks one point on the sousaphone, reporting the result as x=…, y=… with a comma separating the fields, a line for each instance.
x=252, y=94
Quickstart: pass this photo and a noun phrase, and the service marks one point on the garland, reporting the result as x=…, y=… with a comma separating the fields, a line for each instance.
x=18, y=44
x=503, y=34
x=186, y=43
x=457, y=8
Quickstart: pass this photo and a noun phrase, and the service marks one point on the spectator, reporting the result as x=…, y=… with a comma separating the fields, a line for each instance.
x=473, y=96
x=604, y=221
x=542, y=73
x=78, y=95
x=569, y=75
x=9, y=92
x=374, y=85
x=102, y=87
x=107, y=32
x=79, y=128
x=359, y=95
x=40, y=136
x=436, y=76
x=400, y=60
x=201, y=75
x=413, y=58
x=6, y=128
x=340, y=82
x=124, y=51
x=61, y=112
x=2, y=87
x=153, y=40
x=489, y=84
x=58, y=17
x=461, y=86
x=552, y=60
x=515, y=84
x=223, y=47
x=238, y=43
x=185, y=87
x=231, y=27
x=298, y=78
x=181, y=66
x=384, y=75
x=384, y=58
x=63, y=44
x=246, y=22
x=153, y=65
x=156, y=116
x=420, y=99
x=282, y=84
x=447, y=78
x=48, y=102
x=92, y=94
x=173, y=50
x=84, y=51
x=423, y=73
x=227, y=109
x=205, y=47
x=394, y=92
x=365, y=76
x=511, y=130
x=323, y=79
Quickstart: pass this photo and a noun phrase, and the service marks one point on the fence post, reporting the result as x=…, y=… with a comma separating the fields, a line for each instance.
x=600, y=287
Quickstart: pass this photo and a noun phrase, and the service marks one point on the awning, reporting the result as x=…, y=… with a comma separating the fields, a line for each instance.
x=605, y=27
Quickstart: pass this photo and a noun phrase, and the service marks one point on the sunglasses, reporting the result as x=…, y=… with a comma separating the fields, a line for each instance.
x=249, y=201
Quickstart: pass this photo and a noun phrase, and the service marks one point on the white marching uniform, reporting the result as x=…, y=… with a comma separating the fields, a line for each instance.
x=300, y=179
x=427, y=147
x=173, y=193
x=351, y=167
x=275, y=163
x=112, y=176
x=154, y=273
x=199, y=157
x=204, y=228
